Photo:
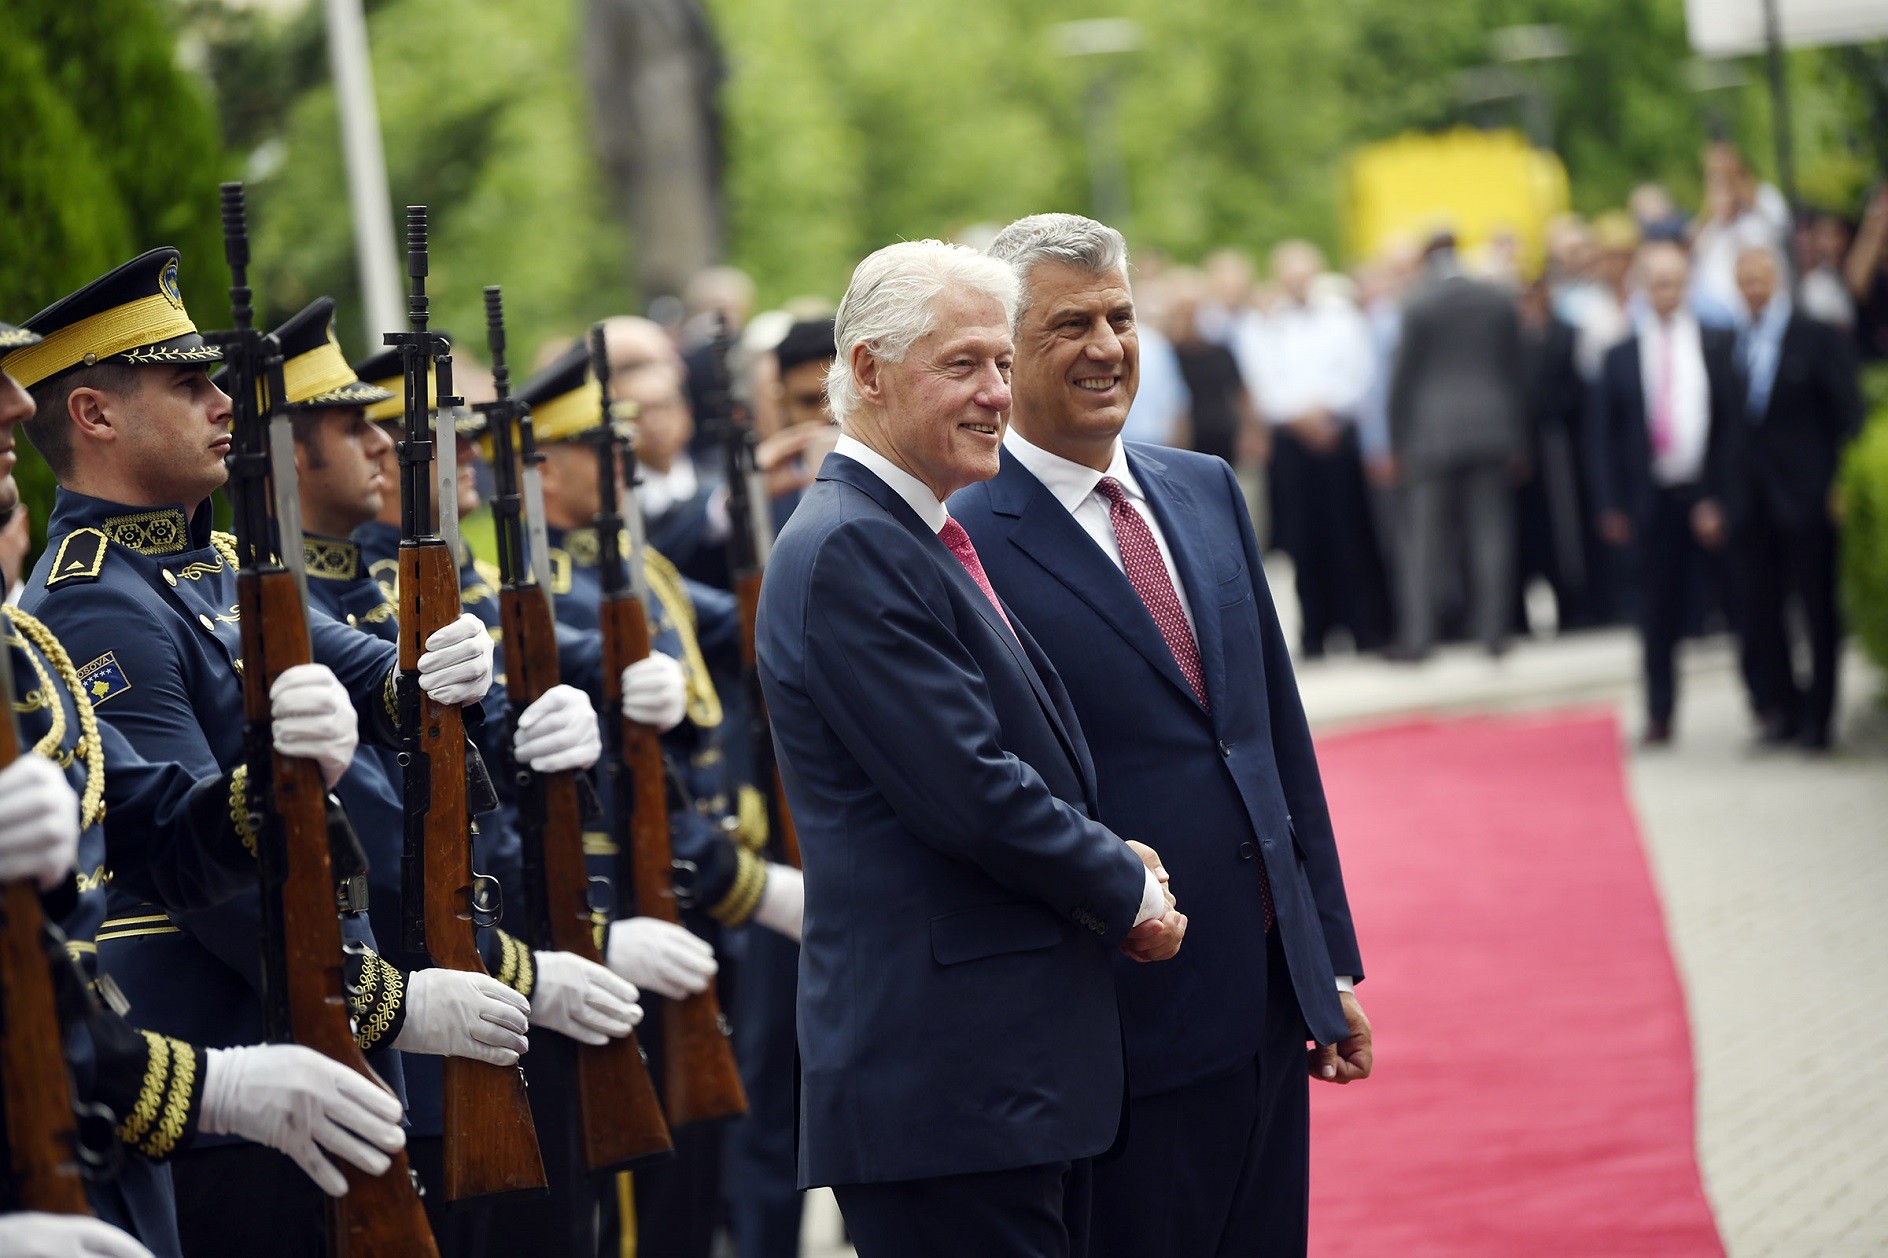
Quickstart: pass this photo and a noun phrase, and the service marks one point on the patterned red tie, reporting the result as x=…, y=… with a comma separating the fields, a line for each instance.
x=1147, y=573
x=957, y=541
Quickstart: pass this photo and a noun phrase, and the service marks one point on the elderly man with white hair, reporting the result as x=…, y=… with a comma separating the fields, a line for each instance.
x=960, y=1045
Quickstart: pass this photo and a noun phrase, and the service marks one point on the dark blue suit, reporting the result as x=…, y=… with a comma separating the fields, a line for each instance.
x=957, y=1010
x=1214, y=793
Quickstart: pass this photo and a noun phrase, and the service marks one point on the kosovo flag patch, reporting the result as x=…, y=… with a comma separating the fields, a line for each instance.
x=102, y=678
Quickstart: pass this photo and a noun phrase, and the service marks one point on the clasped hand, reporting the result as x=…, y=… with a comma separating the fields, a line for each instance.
x=1157, y=938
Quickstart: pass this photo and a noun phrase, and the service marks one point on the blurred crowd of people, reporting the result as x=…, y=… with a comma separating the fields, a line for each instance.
x=1450, y=443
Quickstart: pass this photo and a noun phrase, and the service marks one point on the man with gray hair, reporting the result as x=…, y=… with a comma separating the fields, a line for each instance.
x=1138, y=569
x=960, y=1045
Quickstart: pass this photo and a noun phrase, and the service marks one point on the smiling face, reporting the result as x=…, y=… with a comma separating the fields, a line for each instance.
x=1078, y=362
x=940, y=414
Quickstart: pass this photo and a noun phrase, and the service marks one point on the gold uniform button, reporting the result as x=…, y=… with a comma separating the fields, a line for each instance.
x=207, y=623
x=170, y=576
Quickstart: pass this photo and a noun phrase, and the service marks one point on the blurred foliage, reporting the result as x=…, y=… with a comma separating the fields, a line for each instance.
x=1865, y=524
x=853, y=123
x=109, y=148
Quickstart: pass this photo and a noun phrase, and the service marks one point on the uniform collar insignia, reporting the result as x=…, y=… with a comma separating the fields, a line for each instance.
x=581, y=545
x=330, y=560
x=161, y=532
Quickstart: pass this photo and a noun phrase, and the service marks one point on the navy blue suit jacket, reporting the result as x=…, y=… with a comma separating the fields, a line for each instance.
x=957, y=1009
x=1213, y=793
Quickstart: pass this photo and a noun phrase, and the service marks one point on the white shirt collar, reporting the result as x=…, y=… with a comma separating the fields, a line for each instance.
x=915, y=492
x=1070, y=482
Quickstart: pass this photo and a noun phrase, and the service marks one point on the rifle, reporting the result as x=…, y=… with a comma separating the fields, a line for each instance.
x=44, y=1154
x=617, y=1110
x=491, y=1144
x=700, y=1079
x=303, y=994
x=749, y=541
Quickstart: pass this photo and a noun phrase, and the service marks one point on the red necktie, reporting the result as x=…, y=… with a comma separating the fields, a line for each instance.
x=957, y=541
x=1147, y=573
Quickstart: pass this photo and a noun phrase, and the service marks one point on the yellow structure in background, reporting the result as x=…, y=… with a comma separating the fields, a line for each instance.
x=1480, y=184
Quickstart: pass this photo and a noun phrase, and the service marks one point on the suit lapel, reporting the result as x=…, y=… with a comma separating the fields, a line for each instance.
x=1049, y=535
x=840, y=468
x=1174, y=507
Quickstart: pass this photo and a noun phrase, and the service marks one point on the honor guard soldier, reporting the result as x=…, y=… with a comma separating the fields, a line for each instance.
x=77, y=797
x=671, y=690
x=344, y=465
x=136, y=585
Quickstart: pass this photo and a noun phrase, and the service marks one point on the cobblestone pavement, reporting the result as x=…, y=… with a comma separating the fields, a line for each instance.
x=1773, y=868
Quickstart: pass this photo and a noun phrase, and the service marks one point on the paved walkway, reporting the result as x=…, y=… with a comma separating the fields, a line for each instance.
x=1774, y=872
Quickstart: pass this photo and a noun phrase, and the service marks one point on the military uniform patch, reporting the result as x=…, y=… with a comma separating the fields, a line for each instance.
x=81, y=556
x=102, y=678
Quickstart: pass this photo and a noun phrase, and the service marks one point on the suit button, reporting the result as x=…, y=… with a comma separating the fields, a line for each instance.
x=206, y=622
x=1225, y=749
x=1247, y=851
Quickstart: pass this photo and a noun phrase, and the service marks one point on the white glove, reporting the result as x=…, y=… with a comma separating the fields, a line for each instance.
x=655, y=692
x=313, y=716
x=456, y=1013
x=33, y=1235
x=583, y=1000
x=661, y=957
x=457, y=665
x=782, y=901
x=558, y=732
x=39, y=822
x=303, y=1104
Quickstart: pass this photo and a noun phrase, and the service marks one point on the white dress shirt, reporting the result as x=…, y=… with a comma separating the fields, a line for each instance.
x=1682, y=463
x=919, y=497
x=1073, y=485
x=1295, y=359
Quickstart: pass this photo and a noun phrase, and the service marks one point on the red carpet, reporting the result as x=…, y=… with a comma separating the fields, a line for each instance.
x=1533, y=1086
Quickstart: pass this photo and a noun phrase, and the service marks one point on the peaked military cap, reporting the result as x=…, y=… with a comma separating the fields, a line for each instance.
x=314, y=371
x=134, y=314
x=386, y=372
x=564, y=398
x=16, y=338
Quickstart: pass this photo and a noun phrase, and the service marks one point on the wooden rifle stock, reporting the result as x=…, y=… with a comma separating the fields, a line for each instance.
x=381, y=1215
x=779, y=816
x=701, y=1081
x=42, y=1134
x=491, y=1143
x=304, y=987
x=617, y=1109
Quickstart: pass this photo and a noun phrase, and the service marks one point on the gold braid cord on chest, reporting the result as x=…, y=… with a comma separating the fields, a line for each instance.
x=92, y=802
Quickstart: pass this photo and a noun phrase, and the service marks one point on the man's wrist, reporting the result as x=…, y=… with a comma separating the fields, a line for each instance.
x=1153, y=899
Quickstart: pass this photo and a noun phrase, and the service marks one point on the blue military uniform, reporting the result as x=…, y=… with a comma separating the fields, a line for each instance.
x=671, y=1208
x=161, y=820
x=561, y=1223
x=145, y=597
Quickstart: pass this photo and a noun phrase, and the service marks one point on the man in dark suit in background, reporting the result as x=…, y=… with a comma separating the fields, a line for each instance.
x=1800, y=408
x=1137, y=567
x=1457, y=410
x=960, y=1043
x=1663, y=410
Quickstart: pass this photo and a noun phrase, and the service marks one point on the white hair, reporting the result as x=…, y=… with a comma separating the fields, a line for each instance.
x=1090, y=247
x=891, y=303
